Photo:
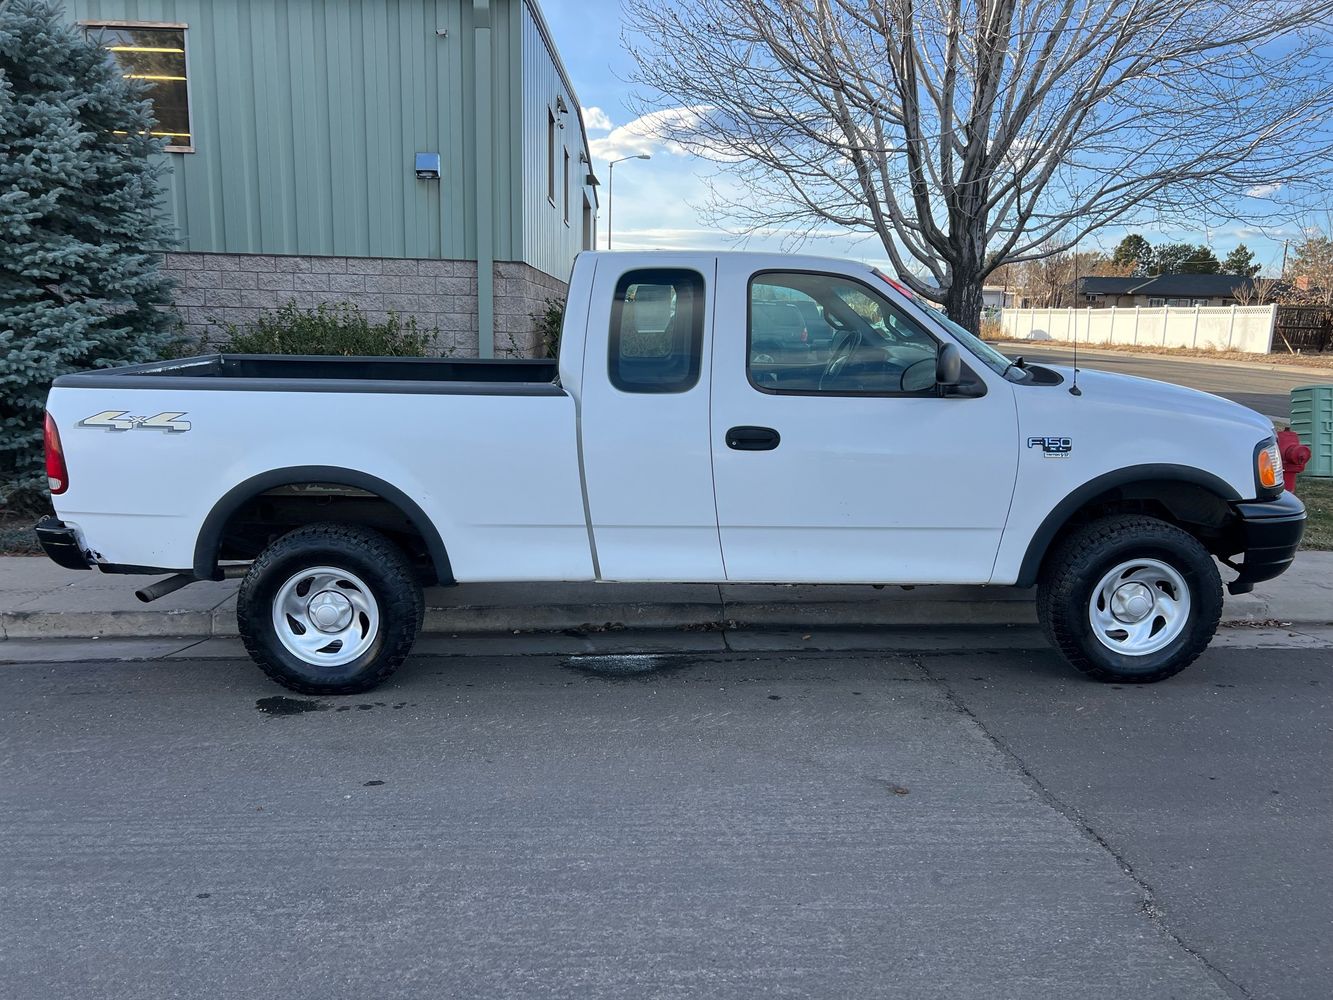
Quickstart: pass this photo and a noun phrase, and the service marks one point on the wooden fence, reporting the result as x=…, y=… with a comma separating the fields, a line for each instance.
x=1308, y=329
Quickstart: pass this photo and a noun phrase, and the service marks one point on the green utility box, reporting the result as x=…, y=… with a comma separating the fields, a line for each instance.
x=1312, y=419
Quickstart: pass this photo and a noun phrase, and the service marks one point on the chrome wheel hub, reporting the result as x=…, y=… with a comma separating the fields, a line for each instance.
x=1131, y=602
x=330, y=611
x=326, y=616
x=1139, y=607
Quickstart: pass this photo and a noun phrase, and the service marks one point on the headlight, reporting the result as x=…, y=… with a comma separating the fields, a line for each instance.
x=1268, y=466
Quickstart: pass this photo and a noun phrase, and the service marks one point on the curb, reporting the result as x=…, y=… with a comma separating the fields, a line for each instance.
x=490, y=619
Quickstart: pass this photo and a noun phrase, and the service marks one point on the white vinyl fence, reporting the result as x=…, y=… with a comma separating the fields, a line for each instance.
x=1219, y=328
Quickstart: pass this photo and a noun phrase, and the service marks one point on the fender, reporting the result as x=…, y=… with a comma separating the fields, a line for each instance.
x=1066, y=508
x=209, y=542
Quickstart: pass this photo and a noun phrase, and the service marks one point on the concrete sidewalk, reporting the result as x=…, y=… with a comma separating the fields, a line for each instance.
x=40, y=600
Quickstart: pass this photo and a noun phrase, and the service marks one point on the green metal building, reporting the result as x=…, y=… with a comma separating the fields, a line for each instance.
x=422, y=156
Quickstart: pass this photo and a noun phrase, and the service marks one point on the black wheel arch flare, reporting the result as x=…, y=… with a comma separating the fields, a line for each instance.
x=209, y=542
x=1066, y=509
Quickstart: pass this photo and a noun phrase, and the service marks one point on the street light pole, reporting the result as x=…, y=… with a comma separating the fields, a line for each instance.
x=611, y=189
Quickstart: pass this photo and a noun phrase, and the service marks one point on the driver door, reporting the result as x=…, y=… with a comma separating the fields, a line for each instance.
x=840, y=463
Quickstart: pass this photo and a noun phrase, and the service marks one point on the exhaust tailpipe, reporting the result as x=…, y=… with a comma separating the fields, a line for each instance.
x=174, y=583
x=164, y=587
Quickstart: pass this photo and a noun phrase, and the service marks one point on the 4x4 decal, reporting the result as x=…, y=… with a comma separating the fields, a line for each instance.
x=120, y=420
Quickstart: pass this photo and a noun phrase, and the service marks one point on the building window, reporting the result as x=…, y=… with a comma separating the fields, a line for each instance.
x=154, y=54
x=1156, y=303
x=589, y=225
x=566, y=187
x=550, y=155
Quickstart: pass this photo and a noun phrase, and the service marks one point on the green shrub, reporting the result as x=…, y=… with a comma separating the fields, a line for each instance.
x=327, y=329
x=549, y=321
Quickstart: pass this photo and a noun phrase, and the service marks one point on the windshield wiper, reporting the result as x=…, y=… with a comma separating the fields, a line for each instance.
x=1018, y=363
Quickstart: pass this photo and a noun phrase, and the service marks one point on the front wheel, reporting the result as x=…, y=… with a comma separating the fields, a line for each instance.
x=1130, y=599
x=330, y=609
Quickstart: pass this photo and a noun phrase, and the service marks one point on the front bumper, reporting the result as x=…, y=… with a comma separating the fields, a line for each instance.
x=61, y=544
x=1270, y=532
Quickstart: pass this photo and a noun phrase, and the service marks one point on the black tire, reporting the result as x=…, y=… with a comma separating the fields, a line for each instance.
x=1073, y=570
x=389, y=578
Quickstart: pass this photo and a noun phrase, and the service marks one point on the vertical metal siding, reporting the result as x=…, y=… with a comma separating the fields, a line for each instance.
x=547, y=243
x=306, y=115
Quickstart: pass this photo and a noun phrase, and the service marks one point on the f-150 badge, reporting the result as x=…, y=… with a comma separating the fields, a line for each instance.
x=120, y=420
x=1052, y=447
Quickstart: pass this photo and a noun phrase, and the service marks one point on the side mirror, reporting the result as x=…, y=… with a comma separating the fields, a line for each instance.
x=948, y=366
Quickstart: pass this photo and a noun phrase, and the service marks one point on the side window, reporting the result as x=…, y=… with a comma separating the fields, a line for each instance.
x=657, y=330
x=156, y=55
x=550, y=155
x=566, y=187
x=811, y=332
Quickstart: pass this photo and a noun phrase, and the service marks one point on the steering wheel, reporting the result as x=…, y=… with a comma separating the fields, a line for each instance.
x=839, y=356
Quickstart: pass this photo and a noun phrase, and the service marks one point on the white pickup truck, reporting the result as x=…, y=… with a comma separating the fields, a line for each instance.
x=714, y=417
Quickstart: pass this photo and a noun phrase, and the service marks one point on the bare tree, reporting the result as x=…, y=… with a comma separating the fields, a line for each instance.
x=1311, y=268
x=1258, y=291
x=969, y=134
x=1054, y=280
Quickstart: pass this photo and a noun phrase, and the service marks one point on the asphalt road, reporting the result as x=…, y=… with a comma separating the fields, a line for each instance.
x=733, y=824
x=1260, y=387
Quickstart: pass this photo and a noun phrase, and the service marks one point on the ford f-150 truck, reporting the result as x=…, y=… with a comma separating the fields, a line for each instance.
x=695, y=429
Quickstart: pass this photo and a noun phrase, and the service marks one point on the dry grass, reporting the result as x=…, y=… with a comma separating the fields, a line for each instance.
x=1318, y=497
x=1283, y=359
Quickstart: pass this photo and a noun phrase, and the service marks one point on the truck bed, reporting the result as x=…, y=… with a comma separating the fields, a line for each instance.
x=306, y=373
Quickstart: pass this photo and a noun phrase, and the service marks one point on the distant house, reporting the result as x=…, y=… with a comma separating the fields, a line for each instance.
x=1166, y=290
x=996, y=297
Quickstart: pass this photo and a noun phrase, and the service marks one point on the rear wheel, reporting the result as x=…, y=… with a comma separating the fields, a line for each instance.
x=1130, y=599
x=330, y=609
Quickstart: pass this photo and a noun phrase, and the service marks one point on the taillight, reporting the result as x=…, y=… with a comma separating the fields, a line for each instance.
x=805, y=335
x=57, y=475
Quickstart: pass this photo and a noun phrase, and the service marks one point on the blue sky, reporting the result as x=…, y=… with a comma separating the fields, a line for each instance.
x=655, y=201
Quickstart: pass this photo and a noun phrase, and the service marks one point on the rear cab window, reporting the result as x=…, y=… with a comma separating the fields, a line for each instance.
x=657, y=329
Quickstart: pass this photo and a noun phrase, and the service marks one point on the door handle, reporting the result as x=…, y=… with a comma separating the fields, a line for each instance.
x=753, y=438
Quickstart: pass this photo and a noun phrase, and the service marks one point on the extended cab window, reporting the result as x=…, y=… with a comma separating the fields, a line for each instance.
x=812, y=332
x=657, y=330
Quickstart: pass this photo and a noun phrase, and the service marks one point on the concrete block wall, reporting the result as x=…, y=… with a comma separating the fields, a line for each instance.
x=213, y=290
x=521, y=292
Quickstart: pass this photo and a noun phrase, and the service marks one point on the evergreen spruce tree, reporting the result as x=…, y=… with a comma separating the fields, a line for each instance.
x=1241, y=261
x=1135, y=252
x=82, y=226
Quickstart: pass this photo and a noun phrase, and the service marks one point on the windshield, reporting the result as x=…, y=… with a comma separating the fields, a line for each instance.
x=993, y=359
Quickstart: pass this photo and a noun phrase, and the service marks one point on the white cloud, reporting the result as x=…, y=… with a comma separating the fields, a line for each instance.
x=642, y=135
x=596, y=118
x=1264, y=190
